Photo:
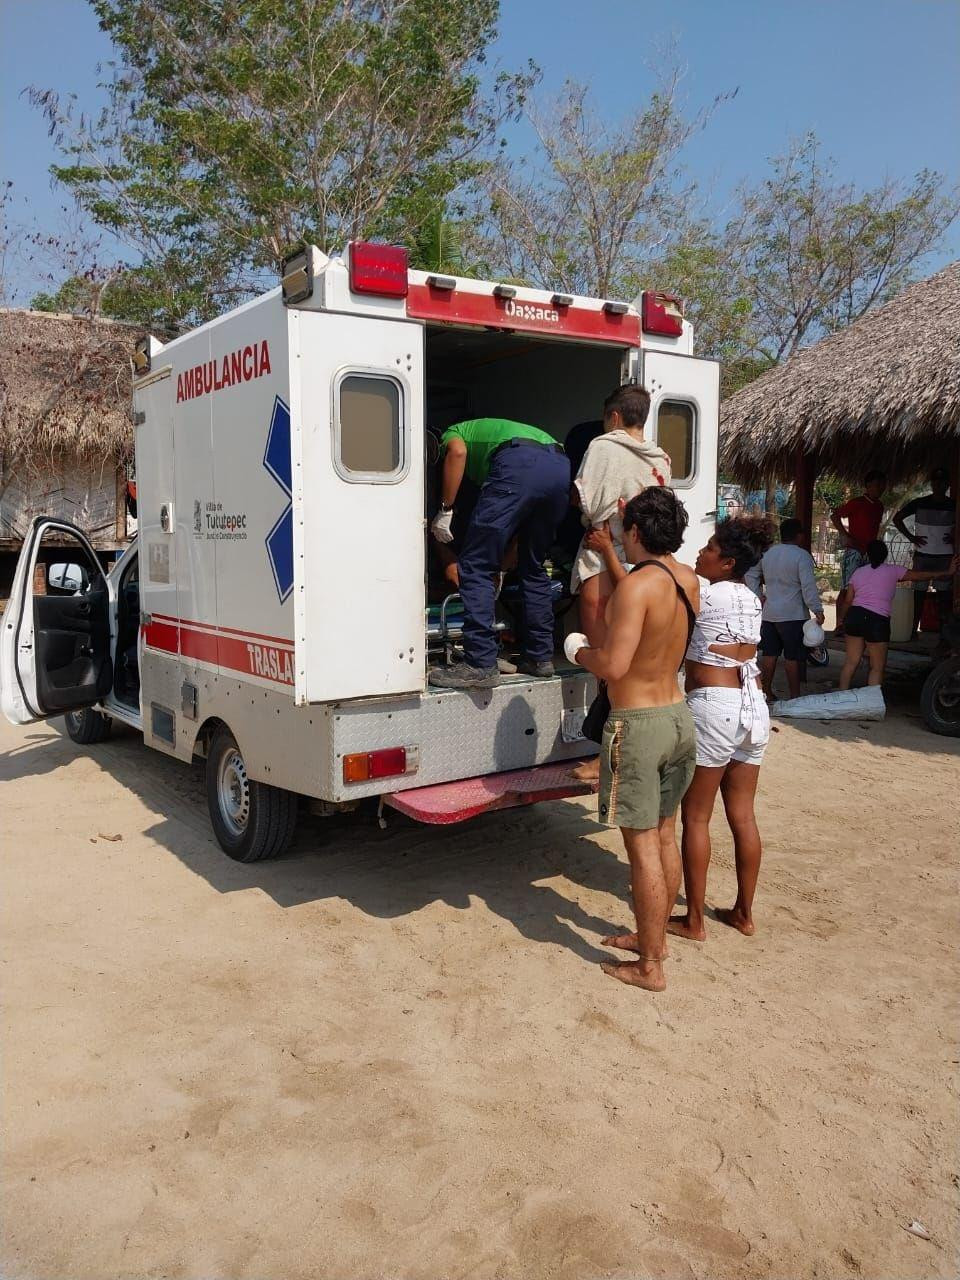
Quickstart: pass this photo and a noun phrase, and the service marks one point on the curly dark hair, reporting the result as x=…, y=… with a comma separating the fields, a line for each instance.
x=660, y=519
x=744, y=539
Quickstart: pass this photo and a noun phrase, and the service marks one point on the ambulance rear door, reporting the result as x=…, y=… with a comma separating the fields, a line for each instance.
x=685, y=422
x=358, y=505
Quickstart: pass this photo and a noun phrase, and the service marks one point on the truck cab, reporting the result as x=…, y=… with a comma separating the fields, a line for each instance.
x=70, y=634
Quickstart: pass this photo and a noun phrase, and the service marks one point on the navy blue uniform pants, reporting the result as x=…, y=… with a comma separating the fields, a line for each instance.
x=525, y=496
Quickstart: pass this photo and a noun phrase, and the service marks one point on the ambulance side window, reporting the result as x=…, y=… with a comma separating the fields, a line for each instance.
x=677, y=436
x=369, y=443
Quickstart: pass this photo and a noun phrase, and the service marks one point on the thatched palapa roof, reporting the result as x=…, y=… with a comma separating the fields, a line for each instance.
x=64, y=388
x=884, y=392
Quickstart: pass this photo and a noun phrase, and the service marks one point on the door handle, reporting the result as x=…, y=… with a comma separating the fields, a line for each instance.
x=83, y=608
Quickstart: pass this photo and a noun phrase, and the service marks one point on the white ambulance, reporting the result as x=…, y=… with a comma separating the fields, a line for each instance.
x=272, y=615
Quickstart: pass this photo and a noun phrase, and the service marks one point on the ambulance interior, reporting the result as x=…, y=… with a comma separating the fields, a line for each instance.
x=551, y=384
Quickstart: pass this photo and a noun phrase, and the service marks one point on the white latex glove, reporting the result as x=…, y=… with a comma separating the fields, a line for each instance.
x=441, y=526
x=574, y=642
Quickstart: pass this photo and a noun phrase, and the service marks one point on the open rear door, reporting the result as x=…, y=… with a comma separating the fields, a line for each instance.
x=55, y=632
x=358, y=505
x=685, y=422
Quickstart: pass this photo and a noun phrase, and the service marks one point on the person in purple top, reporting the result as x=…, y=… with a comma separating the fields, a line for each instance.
x=868, y=599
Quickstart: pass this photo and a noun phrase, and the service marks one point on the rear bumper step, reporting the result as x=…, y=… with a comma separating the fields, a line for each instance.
x=450, y=802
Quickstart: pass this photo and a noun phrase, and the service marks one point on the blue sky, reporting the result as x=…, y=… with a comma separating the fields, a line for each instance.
x=878, y=80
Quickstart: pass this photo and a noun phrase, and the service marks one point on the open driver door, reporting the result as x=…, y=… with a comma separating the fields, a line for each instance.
x=55, y=632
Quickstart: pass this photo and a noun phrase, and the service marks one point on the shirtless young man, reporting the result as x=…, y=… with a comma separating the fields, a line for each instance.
x=649, y=748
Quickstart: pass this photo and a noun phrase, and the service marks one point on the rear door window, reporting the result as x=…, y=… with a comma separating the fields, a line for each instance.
x=370, y=443
x=677, y=436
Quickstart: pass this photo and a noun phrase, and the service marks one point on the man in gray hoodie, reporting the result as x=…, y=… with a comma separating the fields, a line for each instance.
x=617, y=466
x=785, y=579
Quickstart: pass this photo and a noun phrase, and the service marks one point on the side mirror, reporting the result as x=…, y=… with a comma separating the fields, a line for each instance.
x=68, y=578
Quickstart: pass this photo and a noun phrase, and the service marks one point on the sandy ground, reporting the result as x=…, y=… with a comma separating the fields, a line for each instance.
x=394, y=1054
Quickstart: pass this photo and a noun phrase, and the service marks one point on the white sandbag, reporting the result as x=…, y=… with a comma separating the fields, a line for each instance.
x=841, y=704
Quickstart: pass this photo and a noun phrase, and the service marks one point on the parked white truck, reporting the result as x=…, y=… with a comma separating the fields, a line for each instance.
x=272, y=615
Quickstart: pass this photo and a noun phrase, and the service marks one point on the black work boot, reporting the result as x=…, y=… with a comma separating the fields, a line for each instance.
x=542, y=670
x=462, y=676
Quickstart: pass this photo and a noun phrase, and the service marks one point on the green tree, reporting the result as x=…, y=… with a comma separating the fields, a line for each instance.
x=444, y=244
x=599, y=202
x=238, y=129
x=816, y=253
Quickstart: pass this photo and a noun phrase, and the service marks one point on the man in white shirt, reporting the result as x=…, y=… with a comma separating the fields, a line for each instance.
x=934, y=516
x=789, y=593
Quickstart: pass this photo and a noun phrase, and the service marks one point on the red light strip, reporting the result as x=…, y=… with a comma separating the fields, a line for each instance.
x=458, y=306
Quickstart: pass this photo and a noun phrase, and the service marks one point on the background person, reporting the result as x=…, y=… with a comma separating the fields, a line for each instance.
x=524, y=482
x=869, y=604
x=575, y=445
x=934, y=536
x=648, y=744
x=863, y=516
x=731, y=718
x=786, y=581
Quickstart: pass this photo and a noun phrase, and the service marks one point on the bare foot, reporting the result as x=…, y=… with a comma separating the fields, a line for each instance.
x=629, y=942
x=736, y=920
x=679, y=926
x=637, y=973
x=622, y=941
x=588, y=771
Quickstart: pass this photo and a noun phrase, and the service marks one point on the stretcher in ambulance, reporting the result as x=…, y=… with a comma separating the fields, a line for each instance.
x=273, y=615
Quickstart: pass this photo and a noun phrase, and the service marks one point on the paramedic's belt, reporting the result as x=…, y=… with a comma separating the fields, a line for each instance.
x=517, y=441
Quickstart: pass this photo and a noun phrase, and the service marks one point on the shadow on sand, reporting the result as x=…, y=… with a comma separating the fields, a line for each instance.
x=499, y=858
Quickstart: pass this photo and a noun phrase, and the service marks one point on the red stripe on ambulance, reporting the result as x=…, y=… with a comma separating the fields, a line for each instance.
x=227, y=631
x=229, y=652
x=461, y=306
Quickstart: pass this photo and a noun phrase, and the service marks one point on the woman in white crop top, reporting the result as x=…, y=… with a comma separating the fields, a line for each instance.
x=731, y=719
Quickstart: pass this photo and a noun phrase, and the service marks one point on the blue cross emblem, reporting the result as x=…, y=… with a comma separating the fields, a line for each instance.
x=276, y=459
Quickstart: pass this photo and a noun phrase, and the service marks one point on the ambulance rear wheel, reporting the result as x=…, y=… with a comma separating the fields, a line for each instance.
x=251, y=820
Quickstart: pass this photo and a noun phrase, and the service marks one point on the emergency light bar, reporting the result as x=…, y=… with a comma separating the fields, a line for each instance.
x=378, y=268
x=662, y=313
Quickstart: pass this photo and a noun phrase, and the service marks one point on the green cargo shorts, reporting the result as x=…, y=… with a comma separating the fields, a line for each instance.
x=647, y=760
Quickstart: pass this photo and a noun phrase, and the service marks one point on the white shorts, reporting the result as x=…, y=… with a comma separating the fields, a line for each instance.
x=722, y=735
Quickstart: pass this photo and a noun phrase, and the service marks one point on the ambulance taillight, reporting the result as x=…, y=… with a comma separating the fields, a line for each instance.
x=388, y=762
x=378, y=268
x=662, y=313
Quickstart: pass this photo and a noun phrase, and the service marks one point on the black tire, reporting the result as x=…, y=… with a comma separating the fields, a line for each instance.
x=251, y=820
x=87, y=726
x=940, y=699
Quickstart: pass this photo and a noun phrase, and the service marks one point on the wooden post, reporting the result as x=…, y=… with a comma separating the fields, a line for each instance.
x=956, y=530
x=806, y=471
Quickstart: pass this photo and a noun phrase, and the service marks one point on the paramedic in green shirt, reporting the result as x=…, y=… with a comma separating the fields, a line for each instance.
x=524, y=481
